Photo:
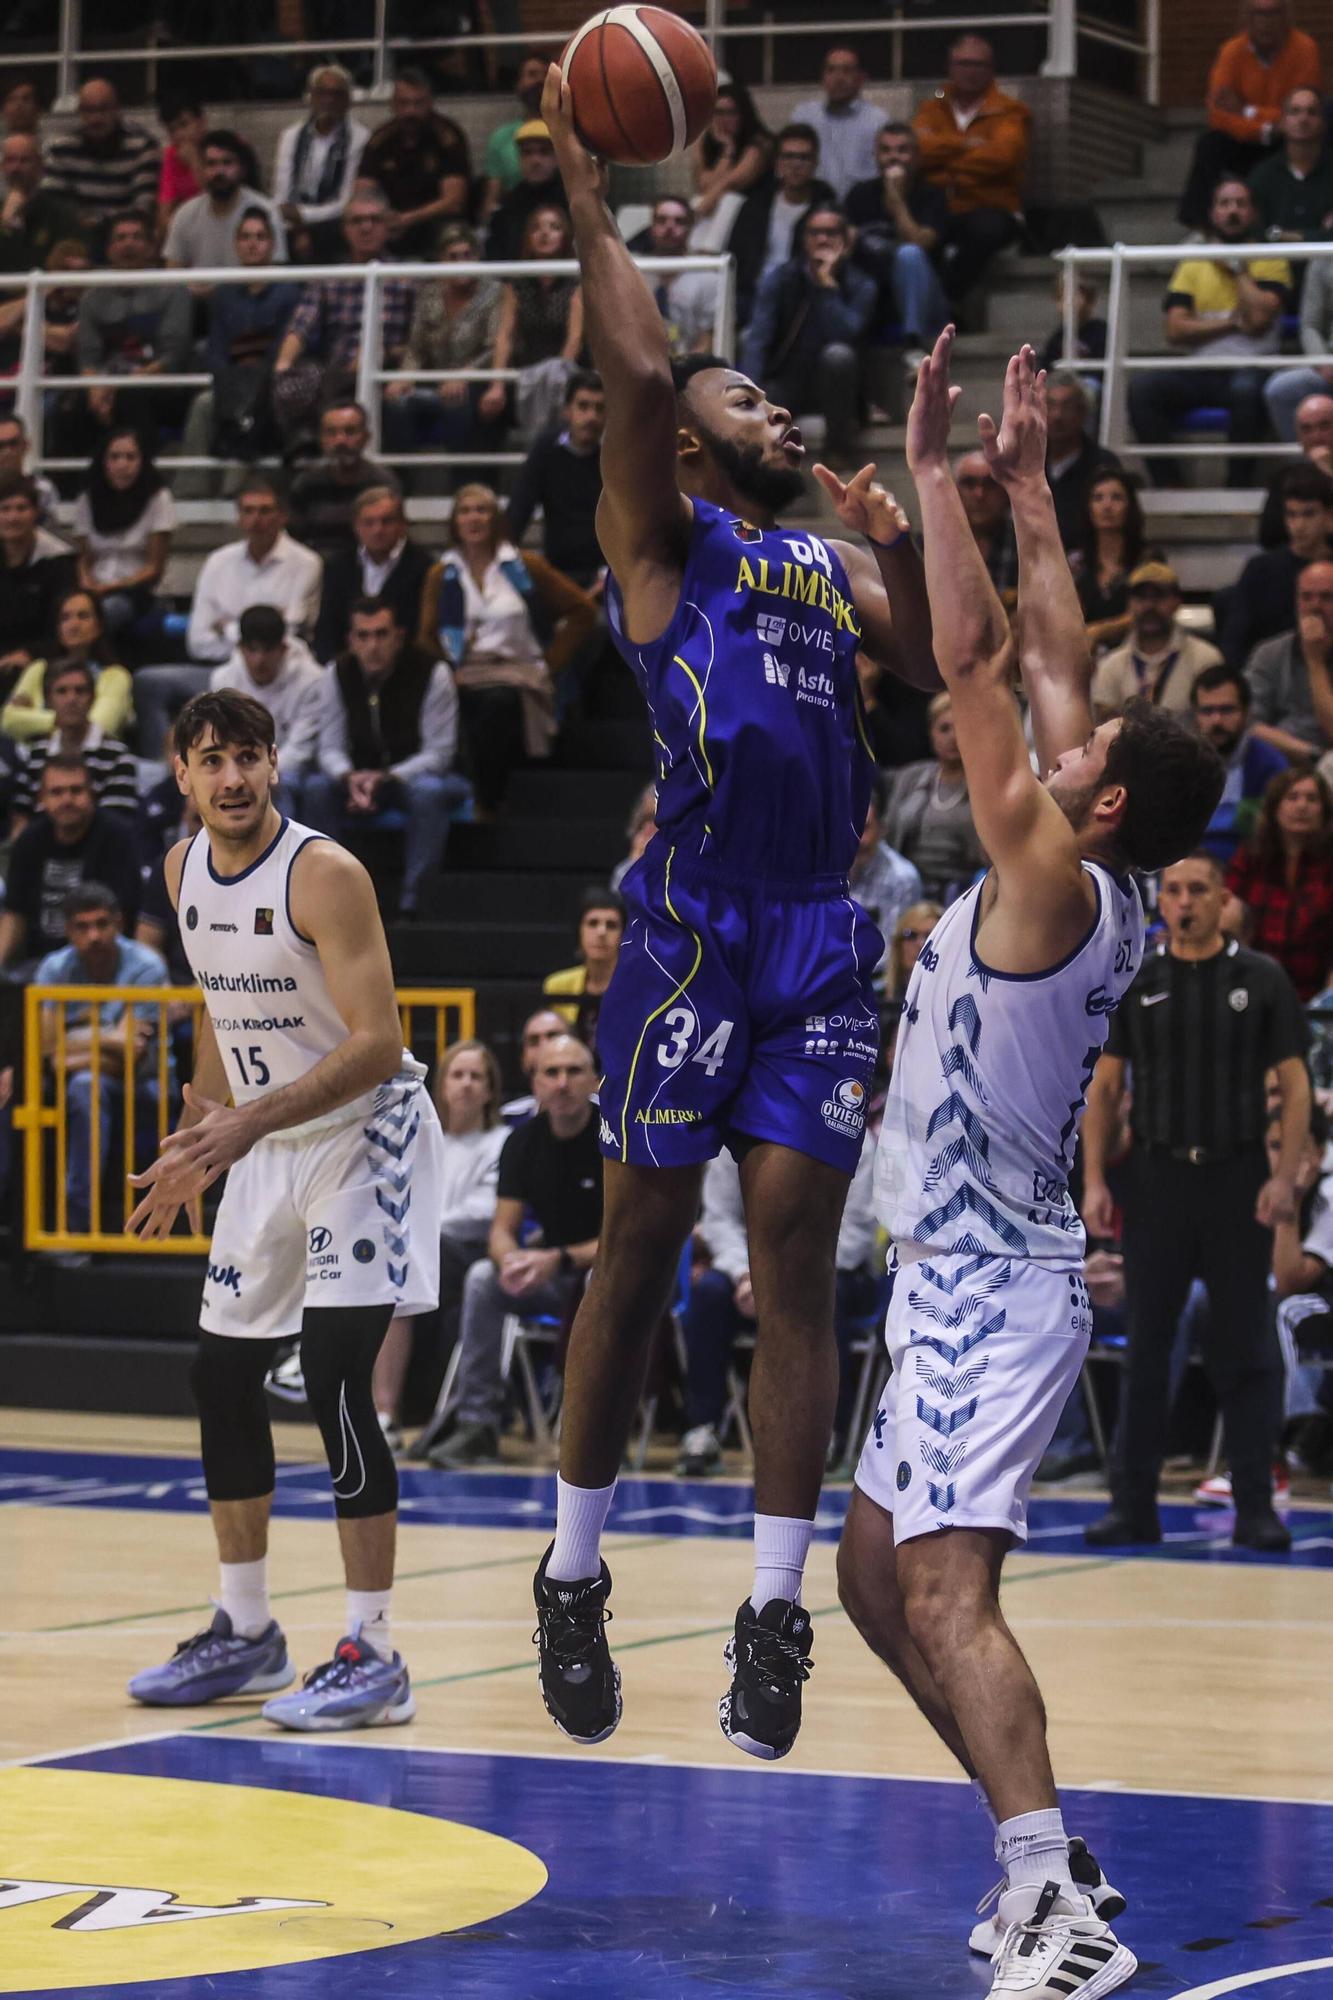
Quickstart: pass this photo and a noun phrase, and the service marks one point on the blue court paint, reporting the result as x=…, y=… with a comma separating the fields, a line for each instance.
x=671, y=1883
x=37, y=1477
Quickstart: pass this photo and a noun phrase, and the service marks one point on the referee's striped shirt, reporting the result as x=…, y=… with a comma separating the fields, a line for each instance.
x=111, y=770
x=1200, y=1035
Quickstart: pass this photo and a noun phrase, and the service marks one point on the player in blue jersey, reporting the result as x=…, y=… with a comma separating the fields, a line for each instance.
x=1005, y=1014
x=742, y=1012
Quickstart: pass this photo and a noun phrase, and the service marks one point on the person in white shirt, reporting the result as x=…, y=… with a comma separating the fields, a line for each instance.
x=317, y=159
x=467, y=1097
x=846, y=122
x=203, y=229
x=281, y=672
x=264, y=567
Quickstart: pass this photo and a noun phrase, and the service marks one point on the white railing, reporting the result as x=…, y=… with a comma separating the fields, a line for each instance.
x=1120, y=261
x=1064, y=21
x=32, y=381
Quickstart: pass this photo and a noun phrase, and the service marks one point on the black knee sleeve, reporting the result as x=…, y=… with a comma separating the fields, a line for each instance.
x=236, y=1441
x=338, y=1349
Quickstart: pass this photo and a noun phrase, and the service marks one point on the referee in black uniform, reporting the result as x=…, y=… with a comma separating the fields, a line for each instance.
x=1201, y=1026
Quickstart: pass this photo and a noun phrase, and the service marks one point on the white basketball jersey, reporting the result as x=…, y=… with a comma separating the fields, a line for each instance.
x=989, y=1083
x=264, y=986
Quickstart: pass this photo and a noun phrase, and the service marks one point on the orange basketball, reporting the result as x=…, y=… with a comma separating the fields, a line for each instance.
x=643, y=83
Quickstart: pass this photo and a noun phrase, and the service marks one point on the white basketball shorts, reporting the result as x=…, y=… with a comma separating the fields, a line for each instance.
x=346, y=1216
x=985, y=1352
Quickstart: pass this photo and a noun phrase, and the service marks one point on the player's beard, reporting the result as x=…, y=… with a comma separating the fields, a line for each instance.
x=769, y=486
x=1076, y=804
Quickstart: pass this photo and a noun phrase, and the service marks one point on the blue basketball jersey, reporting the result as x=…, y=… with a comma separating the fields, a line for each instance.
x=763, y=768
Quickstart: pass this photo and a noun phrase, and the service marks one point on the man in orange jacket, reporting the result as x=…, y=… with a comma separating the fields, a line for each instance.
x=1248, y=85
x=974, y=144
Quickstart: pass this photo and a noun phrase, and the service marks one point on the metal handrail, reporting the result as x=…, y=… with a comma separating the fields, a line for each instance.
x=32, y=379
x=1120, y=259
x=1061, y=19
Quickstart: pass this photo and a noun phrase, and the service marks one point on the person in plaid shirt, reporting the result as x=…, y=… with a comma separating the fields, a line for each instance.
x=1284, y=878
x=318, y=357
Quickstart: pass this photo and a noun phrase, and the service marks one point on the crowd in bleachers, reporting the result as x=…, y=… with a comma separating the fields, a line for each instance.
x=411, y=673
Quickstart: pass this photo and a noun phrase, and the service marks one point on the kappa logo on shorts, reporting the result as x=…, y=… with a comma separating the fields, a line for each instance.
x=263, y=923
x=363, y=1250
x=320, y=1240
x=227, y=1276
x=845, y=1110
x=605, y=1134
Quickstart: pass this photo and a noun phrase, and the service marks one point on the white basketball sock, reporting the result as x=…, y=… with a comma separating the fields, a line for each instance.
x=369, y=1609
x=979, y=1794
x=781, y=1544
x=580, y=1516
x=1033, y=1848
x=243, y=1595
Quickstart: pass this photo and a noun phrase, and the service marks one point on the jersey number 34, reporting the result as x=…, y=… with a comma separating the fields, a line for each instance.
x=682, y=1024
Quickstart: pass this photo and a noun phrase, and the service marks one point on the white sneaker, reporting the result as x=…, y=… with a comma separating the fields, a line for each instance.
x=1056, y=1949
x=987, y=1935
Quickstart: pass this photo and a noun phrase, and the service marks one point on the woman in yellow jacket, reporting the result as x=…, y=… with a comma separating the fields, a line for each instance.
x=79, y=636
x=576, y=993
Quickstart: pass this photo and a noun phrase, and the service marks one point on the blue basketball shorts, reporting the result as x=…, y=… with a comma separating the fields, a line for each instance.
x=737, y=1012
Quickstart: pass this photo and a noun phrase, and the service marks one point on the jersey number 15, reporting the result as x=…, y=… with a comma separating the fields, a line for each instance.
x=257, y=1072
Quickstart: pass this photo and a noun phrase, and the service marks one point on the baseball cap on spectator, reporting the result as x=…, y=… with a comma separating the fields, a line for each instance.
x=533, y=128
x=1154, y=576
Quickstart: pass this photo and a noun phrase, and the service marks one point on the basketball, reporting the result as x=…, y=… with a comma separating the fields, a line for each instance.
x=643, y=83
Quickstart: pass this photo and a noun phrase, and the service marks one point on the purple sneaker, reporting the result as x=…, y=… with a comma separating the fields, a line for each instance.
x=357, y=1689
x=216, y=1663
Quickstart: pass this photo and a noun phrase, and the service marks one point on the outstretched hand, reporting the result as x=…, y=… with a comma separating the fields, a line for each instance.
x=863, y=505
x=930, y=419
x=189, y=1160
x=579, y=170
x=1016, y=451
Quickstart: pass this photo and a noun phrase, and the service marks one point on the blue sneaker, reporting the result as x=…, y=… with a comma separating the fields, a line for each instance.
x=214, y=1664
x=357, y=1689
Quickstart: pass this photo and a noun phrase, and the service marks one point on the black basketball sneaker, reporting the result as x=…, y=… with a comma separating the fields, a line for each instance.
x=769, y=1658
x=579, y=1680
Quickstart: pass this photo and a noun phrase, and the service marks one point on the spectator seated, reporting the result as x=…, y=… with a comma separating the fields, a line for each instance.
x=68, y=692
x=986, y=505
x=317, y=356
x=314, y=173
x=419, y=159
x=501, y=166
x=1160, y=660
x=1220, y=703
x=929, y=817
x=1314, y=434
x=1286, y=390
x=1109, y=552
x=33, y=218
x=732, y=156
x=577, y=992
x=765, y=230
x=203, y=230
x=123, y=524
x=551, y=1171
x=36, y=572
x=901, y=222
x=508, y=624
x=974, y=141
x=323, y=494
x=639, y=831
x=387, y=743
x=71, y=841
x=279, y=671
x=136, y=332
x=454, y=325
x=246, y=323
x=562, y=475
x=1212, y=309
x=538, y=186
x=386, y=563
x=180, y=177
x=14, y=448
x=1293, y=190
x=104, y=166
x=1089, y=336
x=539, y=331
x=1262, y=603
x=1289, y=676
x=1253, y=74
x=79, y=635
x=810, y=318
x=686, y=303
x=97, y=953
x=1283, y=879
x=1073, y=459
x=844, y=122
